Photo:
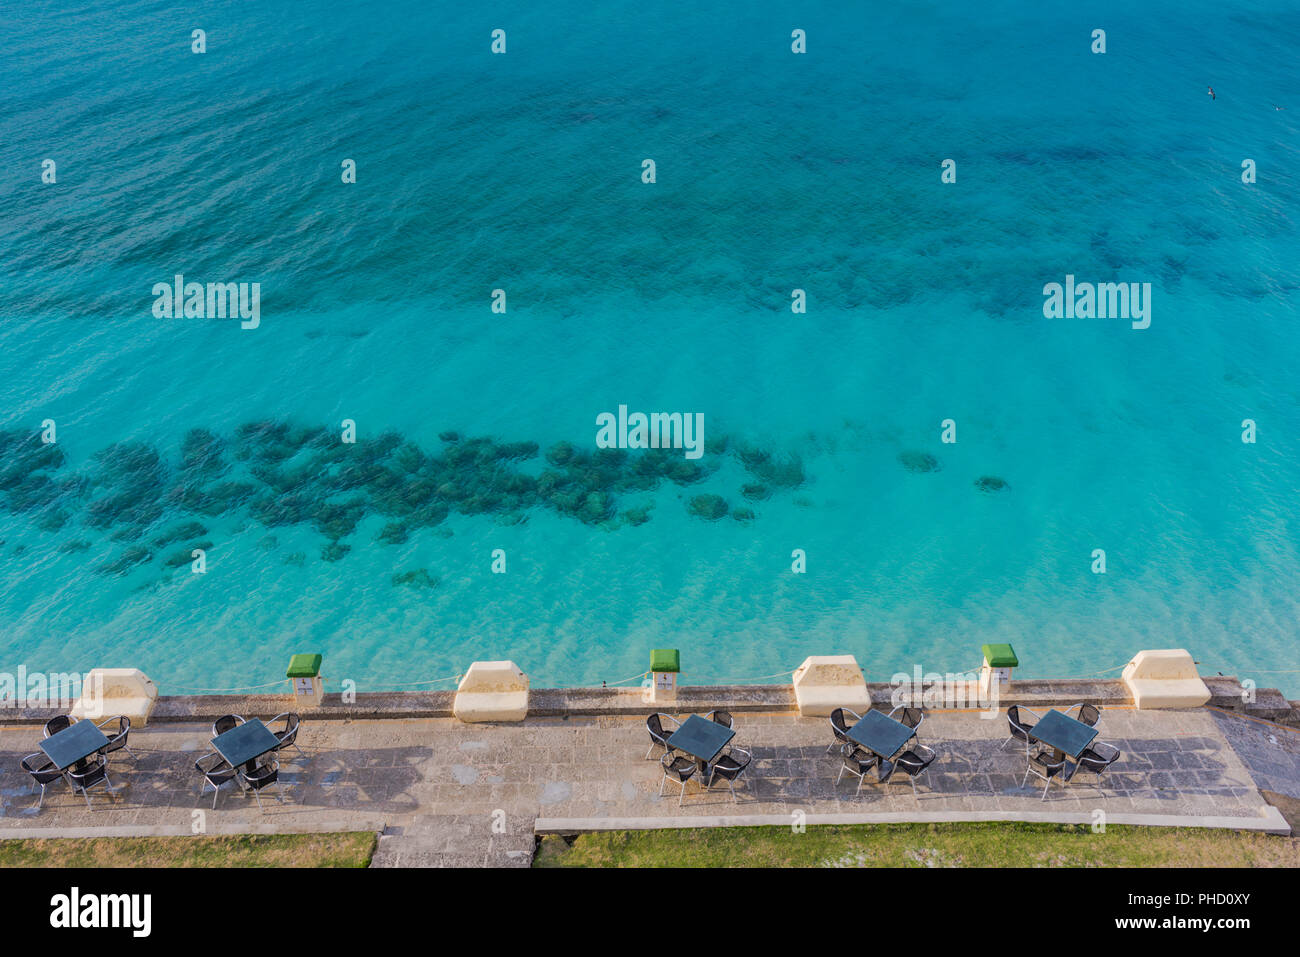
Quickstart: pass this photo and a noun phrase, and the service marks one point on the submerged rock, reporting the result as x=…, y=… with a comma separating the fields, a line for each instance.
x=185, y=555
x=638, y=515
x=136, y=555
x=710, y=507
x=333, y=551
x=178, y=533
x=915, y=461
x=418, y=578
x=990, y=483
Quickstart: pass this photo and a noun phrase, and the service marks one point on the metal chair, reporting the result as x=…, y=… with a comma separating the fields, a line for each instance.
x=43, y=772
x=916, y=761
x=1019, y=727
x=679, y=769
x=658, y=733
x=216, y=773
x=225, y=723
x=289, y=736
x=908, y=717
x=1089, y=714
x=855, y=760
x=96, y=773
x=729, y=767
x=117, y=741
x=720, y=717
x=1095, y=759
x=840, y=727
x=264, y=775
x=58, y=723
x=1040, y=766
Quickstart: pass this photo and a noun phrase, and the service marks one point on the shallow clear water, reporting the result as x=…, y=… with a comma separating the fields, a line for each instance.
x=774, y=172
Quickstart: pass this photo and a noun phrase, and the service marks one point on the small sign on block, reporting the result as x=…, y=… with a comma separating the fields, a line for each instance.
x=304, y=673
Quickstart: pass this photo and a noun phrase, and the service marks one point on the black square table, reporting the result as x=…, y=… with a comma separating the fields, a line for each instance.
x=1063, y=734
x=74, y=743
x=702, y=739
x=881, y=734
x=245, y=743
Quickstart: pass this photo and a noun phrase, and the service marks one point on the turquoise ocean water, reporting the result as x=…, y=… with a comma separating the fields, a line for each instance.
x=522, y=172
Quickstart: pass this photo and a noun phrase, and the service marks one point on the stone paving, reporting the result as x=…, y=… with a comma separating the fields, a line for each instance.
x=1270, y=752
x=446, y=793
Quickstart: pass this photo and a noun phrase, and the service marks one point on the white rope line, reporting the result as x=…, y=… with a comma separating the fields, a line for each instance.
x=610, y=684
x=271, y=684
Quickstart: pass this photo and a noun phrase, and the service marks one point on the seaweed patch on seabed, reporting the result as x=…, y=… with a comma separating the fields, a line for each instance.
x=276, y=473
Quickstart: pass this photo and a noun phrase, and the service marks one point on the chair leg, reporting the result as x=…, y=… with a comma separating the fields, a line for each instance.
x=1025, y=779
x=216, y=793
x=1046, y=784
x=42, y=799
x=840, y=775
x=258, y=795
x=299, y=750
x=662, y=782
x=279, y=797
x=682, y=797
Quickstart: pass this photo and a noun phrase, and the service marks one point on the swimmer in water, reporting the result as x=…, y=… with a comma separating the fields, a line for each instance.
x=1210, y=90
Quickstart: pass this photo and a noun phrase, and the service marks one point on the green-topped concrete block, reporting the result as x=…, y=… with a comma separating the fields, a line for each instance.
x=1000, y=656
x=665, y=659
x=303, y=666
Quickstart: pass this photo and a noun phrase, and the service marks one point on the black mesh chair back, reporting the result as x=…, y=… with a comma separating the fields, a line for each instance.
x=117, y=740
x=1098, y=757
x=1089, y=714
x=915, y=762
x=677, y=768
x=56, y=724
x=911, y=717
x=1044, y=764
x=857, y=761
x=262, y=776
x=216, y=772
x=729, y=767
x=42, y=771
x=225, y=723
x=288, y=736
x=41, y=768
x=658, y=733
x=95, y=773
x=721, y=717
x=840, y=726
x=1020, y=728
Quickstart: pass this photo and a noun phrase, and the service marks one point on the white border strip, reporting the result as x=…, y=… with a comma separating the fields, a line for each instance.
x=1270, y=820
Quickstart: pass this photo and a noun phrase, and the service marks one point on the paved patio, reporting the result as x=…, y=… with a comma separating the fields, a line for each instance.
x=446, y=793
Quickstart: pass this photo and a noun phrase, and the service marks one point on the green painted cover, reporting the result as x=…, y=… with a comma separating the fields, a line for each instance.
x=1000, y=656
x=665, y=659
x=303, y=666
